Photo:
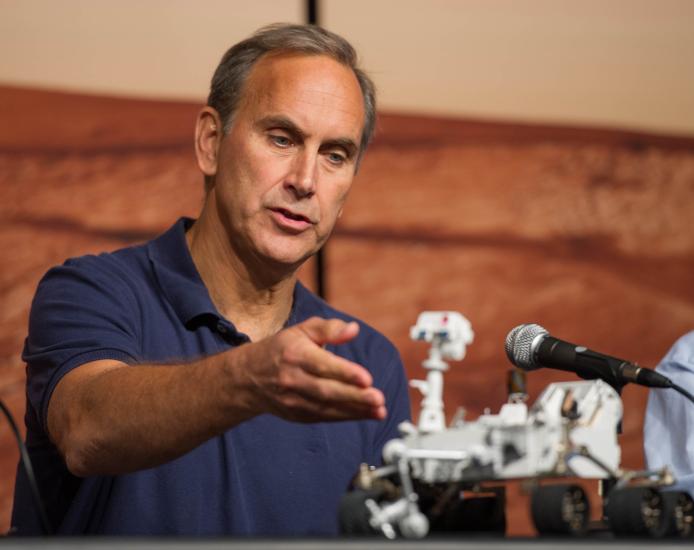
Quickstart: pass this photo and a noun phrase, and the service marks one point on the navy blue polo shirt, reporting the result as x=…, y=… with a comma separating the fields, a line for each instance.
x=266, y=476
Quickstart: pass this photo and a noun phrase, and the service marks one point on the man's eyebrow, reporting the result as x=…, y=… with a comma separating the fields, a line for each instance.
x=279, y=121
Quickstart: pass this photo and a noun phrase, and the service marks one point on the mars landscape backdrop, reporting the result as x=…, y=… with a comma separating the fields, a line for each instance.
x=586, y=231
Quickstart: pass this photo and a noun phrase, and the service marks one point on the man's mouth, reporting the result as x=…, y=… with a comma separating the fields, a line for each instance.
x=292, y=222
x=292, y=215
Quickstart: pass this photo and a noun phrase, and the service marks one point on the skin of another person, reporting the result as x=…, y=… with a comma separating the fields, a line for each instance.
x=280, y=175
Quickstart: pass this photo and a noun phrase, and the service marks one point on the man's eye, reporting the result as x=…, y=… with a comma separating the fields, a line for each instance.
x=281, y=141
x=336, y=158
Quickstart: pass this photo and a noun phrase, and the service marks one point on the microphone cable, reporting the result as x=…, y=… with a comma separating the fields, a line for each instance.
x=29, y=470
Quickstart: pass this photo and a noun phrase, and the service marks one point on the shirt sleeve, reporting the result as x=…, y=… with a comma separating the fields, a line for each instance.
x=83, y=311
x=669, y=422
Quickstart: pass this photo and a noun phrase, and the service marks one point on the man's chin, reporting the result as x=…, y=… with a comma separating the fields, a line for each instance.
x=288, y=258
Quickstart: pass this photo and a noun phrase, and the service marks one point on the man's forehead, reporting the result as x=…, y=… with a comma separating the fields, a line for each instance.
x=283, y=81
x=297, y=66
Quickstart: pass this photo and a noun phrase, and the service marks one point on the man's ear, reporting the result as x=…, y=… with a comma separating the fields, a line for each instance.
x=208, y=137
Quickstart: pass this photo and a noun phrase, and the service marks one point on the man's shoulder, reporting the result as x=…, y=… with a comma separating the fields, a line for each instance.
x=87, y=290
x=119, y=267
x=123, y=258
x=680, y=355
x=685, y=342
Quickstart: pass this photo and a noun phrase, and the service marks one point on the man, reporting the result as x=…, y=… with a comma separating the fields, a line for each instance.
x=190, y=385
x=668, y=439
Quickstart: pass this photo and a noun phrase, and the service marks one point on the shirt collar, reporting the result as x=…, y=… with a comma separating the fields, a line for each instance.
x=177, y=275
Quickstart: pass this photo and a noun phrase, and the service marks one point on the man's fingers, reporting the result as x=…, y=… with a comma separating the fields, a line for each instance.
x=323, y=364
x=332, y=391
x=329, y=331
x=348, y=332
x=326, y=401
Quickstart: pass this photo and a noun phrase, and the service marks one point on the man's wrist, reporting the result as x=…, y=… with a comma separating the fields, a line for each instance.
x=239, y=398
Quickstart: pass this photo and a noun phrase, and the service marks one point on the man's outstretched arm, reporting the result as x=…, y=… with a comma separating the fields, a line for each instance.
x=107, y=417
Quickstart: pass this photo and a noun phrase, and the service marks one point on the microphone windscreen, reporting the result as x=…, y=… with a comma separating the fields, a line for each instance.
x=511, y=342
x=519, y=344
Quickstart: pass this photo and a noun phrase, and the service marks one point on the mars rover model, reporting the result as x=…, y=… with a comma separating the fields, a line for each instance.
x=438, y=478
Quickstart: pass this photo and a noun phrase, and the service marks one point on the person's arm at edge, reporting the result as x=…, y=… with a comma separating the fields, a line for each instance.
x=107, y=417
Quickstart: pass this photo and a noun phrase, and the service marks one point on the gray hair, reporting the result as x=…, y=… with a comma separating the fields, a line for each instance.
x=226, y=88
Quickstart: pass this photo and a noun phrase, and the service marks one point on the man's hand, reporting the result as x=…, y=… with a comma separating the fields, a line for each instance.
x=292, y=376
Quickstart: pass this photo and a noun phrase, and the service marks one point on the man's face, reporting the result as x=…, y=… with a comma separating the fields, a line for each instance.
x=287, y=163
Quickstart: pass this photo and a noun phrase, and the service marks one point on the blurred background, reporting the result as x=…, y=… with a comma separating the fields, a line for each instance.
x=534, y=162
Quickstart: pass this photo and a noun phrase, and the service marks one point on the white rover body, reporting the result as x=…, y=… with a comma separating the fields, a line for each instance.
x=570, y=431
x=520, y=442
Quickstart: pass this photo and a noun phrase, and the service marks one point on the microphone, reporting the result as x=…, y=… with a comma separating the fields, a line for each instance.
x=530, y=347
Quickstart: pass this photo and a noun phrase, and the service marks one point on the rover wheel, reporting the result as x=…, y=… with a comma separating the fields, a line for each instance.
x=354, y=515
x=679, y=514
x=414, y=526
x=560, y=510
x=636, y=512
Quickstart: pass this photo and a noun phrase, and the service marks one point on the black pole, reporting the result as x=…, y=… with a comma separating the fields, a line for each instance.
x=320, y=272
x=321, y=290
x=312, y=12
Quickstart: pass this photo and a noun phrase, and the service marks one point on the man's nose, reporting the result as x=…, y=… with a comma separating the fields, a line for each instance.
x=302, y=178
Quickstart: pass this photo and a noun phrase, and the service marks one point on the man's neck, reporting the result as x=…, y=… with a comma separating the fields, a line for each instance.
x=257, y=301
